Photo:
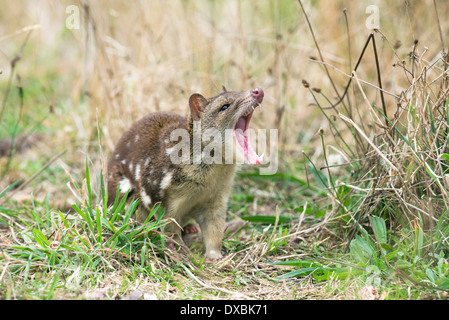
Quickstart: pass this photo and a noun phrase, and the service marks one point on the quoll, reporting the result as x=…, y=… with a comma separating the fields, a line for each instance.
x=142, y=163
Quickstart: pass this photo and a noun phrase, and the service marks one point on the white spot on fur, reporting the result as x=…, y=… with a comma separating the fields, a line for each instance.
x=137, y=138
x=137, y=172
x=130, y=167
x=125, y=185
x=147, y=161
x=128, y=143
x=166, y=141
x=169, y=150
x=145, y=198
x=123, y=161
x=165, y=182
x=117, y=156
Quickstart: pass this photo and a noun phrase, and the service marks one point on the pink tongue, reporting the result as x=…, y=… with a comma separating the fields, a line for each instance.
x=241, y=124
x=248, y=151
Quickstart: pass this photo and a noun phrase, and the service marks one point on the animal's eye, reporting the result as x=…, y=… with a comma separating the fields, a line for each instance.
x=224, y=107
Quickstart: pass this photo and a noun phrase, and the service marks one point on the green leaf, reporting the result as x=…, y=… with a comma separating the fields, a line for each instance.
x=361, y=250
x=10, y=187
x=299, y=272
x=118, y=207
x=320, y=273
x=119, y=231
x=431, y=275
x=104, y=194
x=267, y=219
x=403, y=264
x=152, y=213
x=296, y=263
x=130, y=210
x=85, y=216
x=143, y=255
x=107, y=224
x=444, y=284
x=380, y=229
x=40, y=238
x=63, y=219
x=99, y=238
x=386, y=246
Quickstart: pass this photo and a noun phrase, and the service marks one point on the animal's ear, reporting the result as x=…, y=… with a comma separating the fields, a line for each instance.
x=224, y=88
x=197, y=103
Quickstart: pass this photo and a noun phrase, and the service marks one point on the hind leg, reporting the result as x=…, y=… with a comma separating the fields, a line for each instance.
x=190, y=228
x=230, y=227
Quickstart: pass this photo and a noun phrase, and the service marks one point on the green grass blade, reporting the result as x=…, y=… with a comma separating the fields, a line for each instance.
x=104, y=194
x=267, y=219
x=89, y=190
x=11, y=186
x=99, y=236
x=119, y=231
x=85, y=216
x=380, y=229
x=40, y=238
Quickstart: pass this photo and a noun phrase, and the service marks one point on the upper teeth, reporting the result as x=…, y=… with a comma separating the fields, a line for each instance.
x=251, y=108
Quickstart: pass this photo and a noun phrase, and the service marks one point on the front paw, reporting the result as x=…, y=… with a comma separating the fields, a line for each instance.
x=212, y=260
x=213, y=256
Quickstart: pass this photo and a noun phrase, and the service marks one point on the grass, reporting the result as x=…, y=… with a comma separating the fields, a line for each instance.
x=357, y=210
x=87, y=242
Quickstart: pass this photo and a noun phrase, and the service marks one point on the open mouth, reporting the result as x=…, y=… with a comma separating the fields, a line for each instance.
x=241, y=133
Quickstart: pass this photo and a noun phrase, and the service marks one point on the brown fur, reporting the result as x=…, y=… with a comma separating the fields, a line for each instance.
x=141, y=162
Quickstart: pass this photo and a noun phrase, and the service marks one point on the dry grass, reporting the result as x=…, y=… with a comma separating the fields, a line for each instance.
x=131, y=58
